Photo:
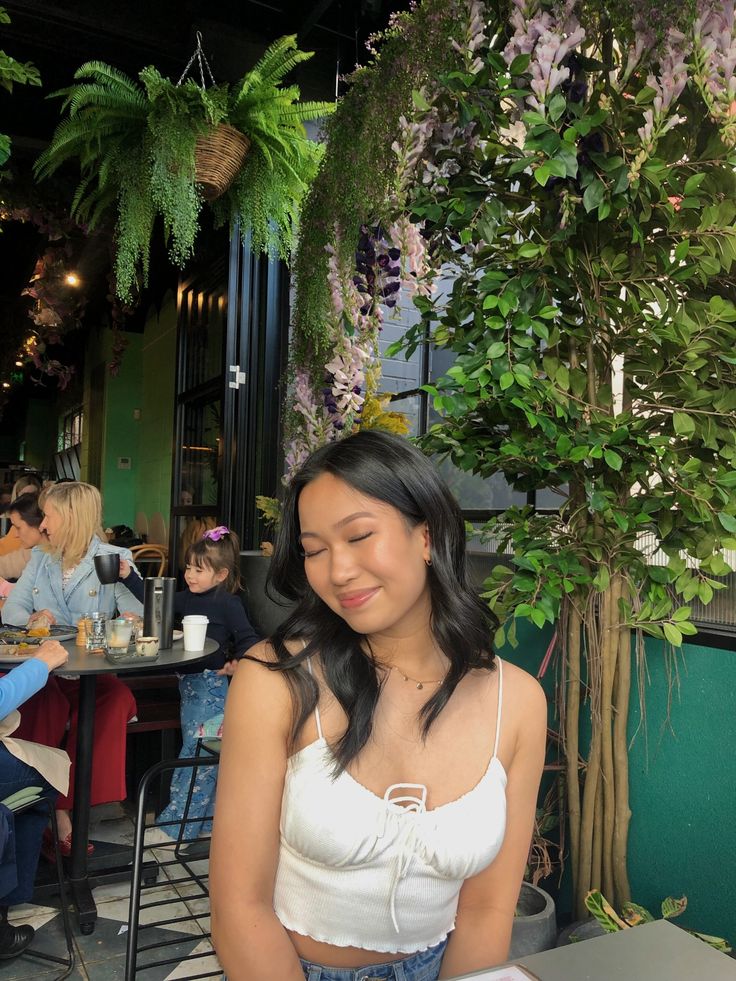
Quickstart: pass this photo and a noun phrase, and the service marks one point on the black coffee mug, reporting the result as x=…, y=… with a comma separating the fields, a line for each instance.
x=107, y=567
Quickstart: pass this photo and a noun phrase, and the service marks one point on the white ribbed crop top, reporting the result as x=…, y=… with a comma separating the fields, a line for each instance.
x=380, y=873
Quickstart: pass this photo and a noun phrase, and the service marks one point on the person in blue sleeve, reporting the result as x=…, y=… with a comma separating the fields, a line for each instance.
x=213, y=581
x=23, y=765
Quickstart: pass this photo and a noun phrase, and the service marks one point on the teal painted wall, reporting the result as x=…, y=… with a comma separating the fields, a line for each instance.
x=683, y=790
x=123, y=395
x=682, y=783
x=136, y=413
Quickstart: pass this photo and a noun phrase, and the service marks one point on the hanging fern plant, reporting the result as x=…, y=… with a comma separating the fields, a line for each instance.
x=137, y=143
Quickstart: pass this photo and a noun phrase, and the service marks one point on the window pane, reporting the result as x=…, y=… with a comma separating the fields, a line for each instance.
x=398, y=374
x=476, y=493
x=411, y=406
x=204, y=318
x=551, y=498
x=201, y=454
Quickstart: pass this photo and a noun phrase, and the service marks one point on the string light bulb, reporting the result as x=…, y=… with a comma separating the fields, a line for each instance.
x=71, y=279
x=18, y=364
x=6, y=384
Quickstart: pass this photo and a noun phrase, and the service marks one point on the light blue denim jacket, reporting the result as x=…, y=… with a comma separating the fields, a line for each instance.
x=40, y=588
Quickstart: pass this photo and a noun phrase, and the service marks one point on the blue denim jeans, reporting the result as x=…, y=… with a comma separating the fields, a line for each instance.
x=424, y=966
x=202, y=697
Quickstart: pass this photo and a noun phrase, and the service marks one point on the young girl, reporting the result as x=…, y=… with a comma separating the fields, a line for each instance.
x=212, y=578
x=380, y=766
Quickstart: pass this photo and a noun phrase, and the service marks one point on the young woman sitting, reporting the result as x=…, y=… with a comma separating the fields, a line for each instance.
x=380, y=765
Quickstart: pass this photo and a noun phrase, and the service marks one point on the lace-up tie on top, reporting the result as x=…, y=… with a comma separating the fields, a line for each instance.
x=380, y=873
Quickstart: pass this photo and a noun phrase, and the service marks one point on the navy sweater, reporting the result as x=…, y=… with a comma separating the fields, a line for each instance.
x=228, y=622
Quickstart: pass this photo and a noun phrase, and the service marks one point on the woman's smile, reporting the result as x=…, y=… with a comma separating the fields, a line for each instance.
x=357, y=598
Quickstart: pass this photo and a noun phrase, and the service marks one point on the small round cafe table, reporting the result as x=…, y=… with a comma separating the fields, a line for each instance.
x=88, y=666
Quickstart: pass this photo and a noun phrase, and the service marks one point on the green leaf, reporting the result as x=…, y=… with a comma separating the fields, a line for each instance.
x=705, y=592
x=419, y=100
x=682, y=250
x=673, y=907
x=613, y=460
x=528, y=250
x=644, y=95
x=520, y=64
x=683, y=423
x=672, y=634
x=682, y=613
x=693, y=183
x=727, y=520
x=557, y=106
x=594, y=195
x=542, y=174
x=496, y=350
x=506, y=381
x=599, y=907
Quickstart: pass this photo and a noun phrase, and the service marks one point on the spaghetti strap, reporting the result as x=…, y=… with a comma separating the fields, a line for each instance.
x=316, y=708
x=500, y=704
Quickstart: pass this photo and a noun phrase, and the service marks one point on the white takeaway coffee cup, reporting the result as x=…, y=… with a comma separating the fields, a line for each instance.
x=195, y=632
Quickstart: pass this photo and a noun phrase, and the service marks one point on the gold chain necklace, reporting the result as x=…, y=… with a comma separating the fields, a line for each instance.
x=419, y=684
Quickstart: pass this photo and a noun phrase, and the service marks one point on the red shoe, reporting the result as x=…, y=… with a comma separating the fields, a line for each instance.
x=65, y=846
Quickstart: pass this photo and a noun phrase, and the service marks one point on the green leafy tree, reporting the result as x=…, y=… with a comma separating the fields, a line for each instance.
x=13, y=72
x=577, y=182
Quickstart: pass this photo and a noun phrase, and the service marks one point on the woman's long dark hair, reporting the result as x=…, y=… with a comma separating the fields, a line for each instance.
x=389, y=469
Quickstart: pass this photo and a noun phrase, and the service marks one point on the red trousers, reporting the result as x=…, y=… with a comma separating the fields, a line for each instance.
x=44, y=719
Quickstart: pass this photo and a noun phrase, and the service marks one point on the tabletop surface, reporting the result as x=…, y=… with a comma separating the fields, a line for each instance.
x=82, y=661
x=658, y=951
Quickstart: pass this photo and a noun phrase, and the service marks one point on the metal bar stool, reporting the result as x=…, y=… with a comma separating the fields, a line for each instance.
x=151, y=856
x=24, y=800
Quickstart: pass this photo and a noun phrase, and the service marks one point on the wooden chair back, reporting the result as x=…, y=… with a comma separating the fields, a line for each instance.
x=151, y=553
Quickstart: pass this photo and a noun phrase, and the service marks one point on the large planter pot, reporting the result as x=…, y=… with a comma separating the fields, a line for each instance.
x=266, y=613
x=580, y=930
x=535, y=923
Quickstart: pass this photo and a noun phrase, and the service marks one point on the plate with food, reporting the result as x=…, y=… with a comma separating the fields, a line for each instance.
x=20, y=643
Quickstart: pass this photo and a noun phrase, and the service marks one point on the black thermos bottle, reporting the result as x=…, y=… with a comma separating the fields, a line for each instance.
x=158, y=609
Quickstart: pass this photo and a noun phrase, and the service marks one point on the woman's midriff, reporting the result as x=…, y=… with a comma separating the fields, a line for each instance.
x=331, y=956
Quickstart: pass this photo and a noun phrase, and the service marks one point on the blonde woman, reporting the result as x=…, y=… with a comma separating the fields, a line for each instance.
x=61, y=585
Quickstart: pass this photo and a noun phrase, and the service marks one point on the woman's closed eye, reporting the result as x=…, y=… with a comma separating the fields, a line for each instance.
x=318, y=551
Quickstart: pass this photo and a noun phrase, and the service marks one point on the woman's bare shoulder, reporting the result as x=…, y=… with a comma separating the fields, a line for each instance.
x=524, y=705
x=519, y=685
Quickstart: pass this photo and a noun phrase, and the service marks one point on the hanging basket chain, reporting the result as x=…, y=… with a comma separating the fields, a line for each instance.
x=202, y=61
x=219, y=153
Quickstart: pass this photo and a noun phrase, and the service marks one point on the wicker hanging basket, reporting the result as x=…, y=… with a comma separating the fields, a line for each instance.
x=218, y=157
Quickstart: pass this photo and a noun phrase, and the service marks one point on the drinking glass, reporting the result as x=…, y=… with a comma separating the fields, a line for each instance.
x=118, y=636
x=96, y=633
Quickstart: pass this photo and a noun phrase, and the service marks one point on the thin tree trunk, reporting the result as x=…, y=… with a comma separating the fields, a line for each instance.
x=572, y=732
x=609, y=654
x=597, y=856
x=587, y=821
x=621, y=890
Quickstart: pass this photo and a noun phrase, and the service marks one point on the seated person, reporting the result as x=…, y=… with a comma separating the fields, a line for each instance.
x=60, y=585
x=213, y=580
x=24, y=765
x=27, y=484
x=25, y=517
